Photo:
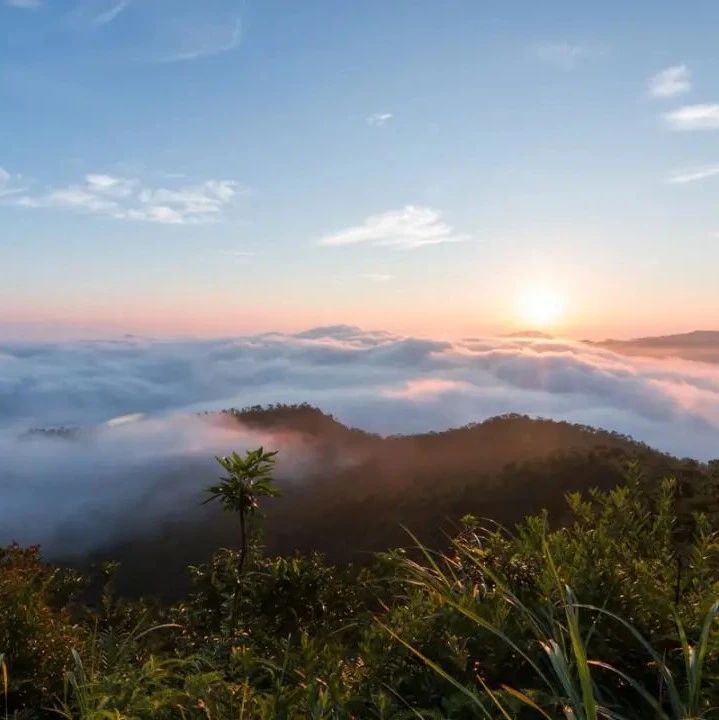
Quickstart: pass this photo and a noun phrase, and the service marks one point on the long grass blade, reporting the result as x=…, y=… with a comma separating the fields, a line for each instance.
x=526, y=700
x=665, y=673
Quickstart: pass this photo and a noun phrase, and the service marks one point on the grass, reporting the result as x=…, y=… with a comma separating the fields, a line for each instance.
x=570, y=681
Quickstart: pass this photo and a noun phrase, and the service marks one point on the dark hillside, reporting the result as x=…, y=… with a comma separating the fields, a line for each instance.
x=363, y=487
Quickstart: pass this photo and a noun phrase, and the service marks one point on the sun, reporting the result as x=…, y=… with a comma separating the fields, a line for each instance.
x=541, y=307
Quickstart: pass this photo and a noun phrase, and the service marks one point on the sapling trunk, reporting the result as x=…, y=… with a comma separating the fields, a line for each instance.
x=240, y=569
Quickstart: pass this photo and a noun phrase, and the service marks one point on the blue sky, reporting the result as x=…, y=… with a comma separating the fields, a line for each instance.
x=176, y=167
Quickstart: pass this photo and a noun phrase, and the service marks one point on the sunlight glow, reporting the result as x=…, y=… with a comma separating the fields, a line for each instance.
x=541, y=307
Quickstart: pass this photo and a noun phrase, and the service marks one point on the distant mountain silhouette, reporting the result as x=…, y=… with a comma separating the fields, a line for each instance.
x=361, y=488
x=699, y=345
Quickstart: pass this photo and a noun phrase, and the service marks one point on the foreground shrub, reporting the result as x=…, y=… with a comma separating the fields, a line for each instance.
x=36, y=631
x=625, y=642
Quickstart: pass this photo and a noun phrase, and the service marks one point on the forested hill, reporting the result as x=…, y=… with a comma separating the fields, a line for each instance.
x=361, y=488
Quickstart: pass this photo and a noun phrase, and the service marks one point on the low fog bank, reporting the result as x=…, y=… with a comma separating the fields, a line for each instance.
x=374, y=380
x=76, y=492
x=80, y=491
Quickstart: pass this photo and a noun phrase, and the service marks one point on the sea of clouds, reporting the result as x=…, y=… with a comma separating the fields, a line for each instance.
x=141, y=397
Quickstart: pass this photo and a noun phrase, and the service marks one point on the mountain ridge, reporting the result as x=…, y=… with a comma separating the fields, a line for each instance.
x=696, y=345
x=361, y=488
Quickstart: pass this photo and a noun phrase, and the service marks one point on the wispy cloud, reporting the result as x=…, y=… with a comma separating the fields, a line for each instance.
x=408, y=228
x=8, y=184
x=125, y=198
x=25, y=4
x=672, y=81
x=109, y=14
x=566, y=56
x=379, y=119
x=694, y=117
x=205, y=41
x=694, y=175
x=109, y=185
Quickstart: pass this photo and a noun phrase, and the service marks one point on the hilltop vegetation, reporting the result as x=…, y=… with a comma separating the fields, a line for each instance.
x=355, y=490
x=611, y=615
x=545, y=570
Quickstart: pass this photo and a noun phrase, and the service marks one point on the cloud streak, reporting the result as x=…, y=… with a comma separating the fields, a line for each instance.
x=693, y=117
x=672, y=81
x=123, y=198
x=694, y=175
x=112, y=12
x=409, y=228
x=379, y=119
x=205, y=40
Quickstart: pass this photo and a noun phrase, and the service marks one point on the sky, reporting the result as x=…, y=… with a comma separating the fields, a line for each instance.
x=445, y=169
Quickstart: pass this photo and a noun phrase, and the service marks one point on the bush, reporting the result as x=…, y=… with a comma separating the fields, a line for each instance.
x=36, y=631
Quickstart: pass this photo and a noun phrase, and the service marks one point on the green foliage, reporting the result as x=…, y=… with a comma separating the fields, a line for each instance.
x=36, y=629
x=513, y=592
x=612, y=614
x=248, y=478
